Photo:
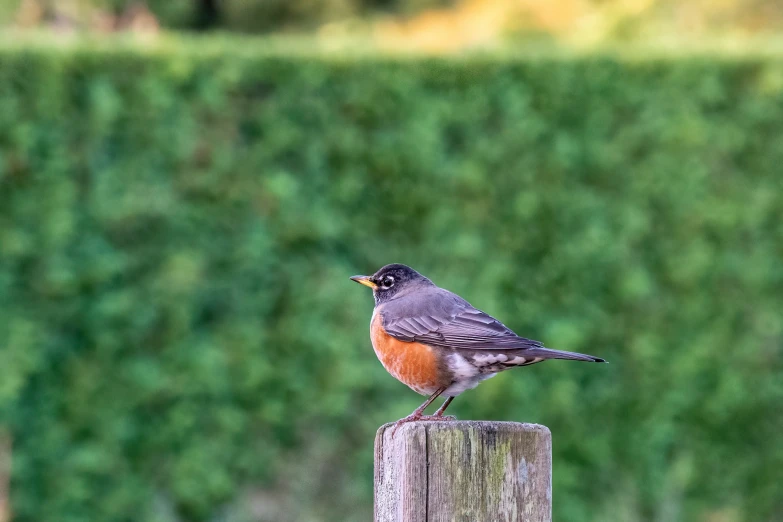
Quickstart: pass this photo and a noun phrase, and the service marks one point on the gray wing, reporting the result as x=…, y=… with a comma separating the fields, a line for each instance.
x=444, y=319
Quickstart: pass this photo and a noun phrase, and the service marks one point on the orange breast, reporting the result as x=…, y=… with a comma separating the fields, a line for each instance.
x=413, y=364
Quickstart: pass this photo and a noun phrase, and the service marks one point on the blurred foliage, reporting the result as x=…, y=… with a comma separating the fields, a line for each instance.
x=180, y=340
x=236, y=15
x=428, y=24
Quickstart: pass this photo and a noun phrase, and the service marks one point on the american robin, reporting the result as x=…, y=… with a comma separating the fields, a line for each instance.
x=436, y=343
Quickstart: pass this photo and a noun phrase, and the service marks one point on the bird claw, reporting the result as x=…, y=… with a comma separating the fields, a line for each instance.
x=413, y=418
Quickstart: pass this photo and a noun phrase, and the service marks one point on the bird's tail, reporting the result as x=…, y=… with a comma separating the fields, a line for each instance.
x=546, y=353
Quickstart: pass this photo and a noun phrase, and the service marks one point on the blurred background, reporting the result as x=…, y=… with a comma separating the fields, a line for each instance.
x=186, y=185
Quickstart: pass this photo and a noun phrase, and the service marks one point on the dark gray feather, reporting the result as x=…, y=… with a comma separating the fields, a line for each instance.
x=438, y=317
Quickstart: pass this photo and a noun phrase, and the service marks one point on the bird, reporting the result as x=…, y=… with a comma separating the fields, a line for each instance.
x=438, y=344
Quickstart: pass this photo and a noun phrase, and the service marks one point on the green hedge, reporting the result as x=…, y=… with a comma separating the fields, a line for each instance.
x=180, y=340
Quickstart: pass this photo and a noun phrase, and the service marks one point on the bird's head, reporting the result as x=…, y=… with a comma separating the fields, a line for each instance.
x=392, y=281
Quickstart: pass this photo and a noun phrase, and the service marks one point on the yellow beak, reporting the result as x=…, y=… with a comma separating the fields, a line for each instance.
x=364, y=280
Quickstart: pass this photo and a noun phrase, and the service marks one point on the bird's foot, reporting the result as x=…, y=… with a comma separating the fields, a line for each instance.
x=441, y=417
x=413, y=417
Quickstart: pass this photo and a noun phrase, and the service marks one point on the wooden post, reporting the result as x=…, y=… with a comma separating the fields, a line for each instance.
x=463, y=471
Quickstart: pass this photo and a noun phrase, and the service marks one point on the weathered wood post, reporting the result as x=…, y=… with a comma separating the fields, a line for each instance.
x=466, y=471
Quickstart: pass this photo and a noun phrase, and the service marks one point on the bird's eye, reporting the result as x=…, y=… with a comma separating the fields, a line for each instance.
x=387, y=282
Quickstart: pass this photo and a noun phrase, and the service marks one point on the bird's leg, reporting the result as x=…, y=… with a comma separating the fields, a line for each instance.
x=440, y=411
x=418, y=413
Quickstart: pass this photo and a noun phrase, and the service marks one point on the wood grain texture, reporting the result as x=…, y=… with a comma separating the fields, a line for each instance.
x=463, y=471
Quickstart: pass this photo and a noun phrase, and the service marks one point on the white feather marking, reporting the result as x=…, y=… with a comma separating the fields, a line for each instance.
x=524, y=360
x=466, y=375
x=488, y=359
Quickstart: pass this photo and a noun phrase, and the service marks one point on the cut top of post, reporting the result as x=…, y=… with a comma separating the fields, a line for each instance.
x=463, y=471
